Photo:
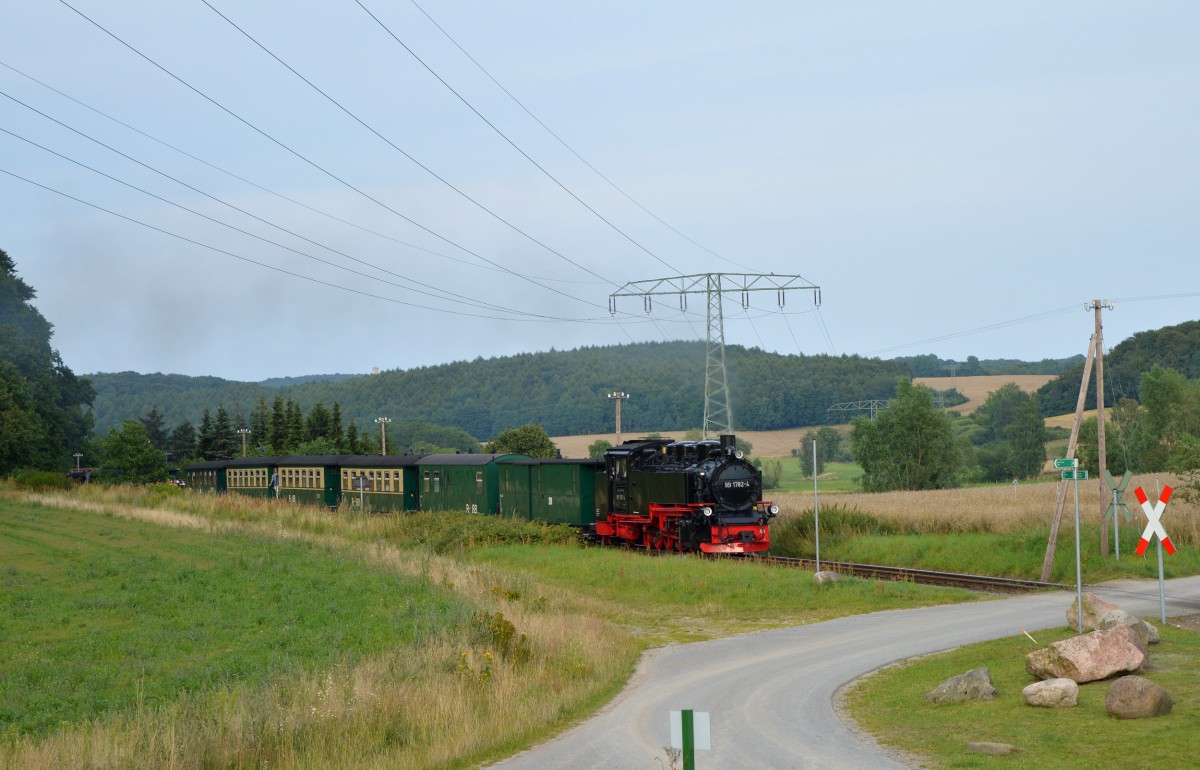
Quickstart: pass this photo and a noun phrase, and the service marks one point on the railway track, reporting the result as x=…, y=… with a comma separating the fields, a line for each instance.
x=924, y=576
x=879, y=572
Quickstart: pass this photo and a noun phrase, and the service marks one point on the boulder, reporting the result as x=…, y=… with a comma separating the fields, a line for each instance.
x=1118, y=617
x=1134, y=697
x=1093, y=609
x=826, y=576
x=1052, y=693
x=976, y=684
x=1090, y=657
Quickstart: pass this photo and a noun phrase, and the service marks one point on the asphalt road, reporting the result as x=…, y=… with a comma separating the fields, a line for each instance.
x=770, y=694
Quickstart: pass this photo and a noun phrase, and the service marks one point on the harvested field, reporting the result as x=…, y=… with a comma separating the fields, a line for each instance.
x=780, y=443
x=976, y=389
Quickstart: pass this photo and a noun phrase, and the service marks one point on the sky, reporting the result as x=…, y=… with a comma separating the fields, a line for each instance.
x=262, y=188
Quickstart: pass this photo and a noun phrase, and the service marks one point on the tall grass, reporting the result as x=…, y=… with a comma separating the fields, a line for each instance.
x=528, y=660
x=1002, y=508
x=999, y=530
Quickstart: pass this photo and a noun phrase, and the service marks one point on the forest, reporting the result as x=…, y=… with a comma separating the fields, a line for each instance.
x=563, y=391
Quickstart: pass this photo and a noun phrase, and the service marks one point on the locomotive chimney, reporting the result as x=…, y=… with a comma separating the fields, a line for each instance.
x=728, y=443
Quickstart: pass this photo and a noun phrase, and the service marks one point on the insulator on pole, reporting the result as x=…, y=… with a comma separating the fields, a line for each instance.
x=781, y=298
x=745, y=300
x=647, y=302
x=683, y=302
x=612, y=305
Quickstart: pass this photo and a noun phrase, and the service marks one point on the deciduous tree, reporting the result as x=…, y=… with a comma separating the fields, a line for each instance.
x=909, y=445
x=528, y=439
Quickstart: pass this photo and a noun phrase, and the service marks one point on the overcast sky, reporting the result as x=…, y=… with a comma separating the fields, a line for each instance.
x=957, y=178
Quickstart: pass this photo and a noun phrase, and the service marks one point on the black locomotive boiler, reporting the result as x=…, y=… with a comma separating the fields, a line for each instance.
x=683, y=496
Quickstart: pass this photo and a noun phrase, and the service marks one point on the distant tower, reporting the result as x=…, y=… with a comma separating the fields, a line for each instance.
x=718, y=412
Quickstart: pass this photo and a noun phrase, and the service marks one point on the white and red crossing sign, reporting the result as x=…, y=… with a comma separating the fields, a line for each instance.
x=1154, y=525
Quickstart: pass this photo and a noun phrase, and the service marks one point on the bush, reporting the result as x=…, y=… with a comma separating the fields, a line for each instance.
x=29, y=478
x=794, y=536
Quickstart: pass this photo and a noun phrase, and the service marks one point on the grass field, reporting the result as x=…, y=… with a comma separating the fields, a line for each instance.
x=148, y=628
x=891, y=705
x=101, y=614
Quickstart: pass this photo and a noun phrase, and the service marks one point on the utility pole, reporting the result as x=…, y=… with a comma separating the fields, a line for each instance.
x=619, y=396
x=383, y=421
x=718, y=411
x=1060, y=495
x=245, y=432
x=1097, y=305
x=78, y=456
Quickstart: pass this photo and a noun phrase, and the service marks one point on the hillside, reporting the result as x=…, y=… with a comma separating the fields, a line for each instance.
x=564, y=391
x=1175, y=347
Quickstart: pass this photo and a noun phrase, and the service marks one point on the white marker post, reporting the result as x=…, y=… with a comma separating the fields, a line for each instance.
x=816, y=508
x=690, y=731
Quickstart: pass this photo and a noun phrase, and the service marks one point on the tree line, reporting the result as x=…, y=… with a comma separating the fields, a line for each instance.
x=45, y=412
x=563, y=391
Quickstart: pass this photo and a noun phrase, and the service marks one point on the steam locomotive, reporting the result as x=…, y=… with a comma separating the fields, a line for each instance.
x=683, y=496
x=653, y=493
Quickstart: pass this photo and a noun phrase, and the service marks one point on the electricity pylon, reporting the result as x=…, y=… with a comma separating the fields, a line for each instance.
x=718, y=411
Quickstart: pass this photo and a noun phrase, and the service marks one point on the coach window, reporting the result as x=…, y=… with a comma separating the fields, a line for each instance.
x=437, y=481
x=479, y=482
x=426, y=481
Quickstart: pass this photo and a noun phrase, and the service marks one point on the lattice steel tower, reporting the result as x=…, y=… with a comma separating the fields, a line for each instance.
x=718, y=411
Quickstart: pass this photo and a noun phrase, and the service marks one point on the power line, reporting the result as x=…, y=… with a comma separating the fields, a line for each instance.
x=398, y=149
x=513, y=144
x=1024, y=319
x=563, y=142
x=315, y=165
x=280, y=269
x=444, y=294
x=267, y=190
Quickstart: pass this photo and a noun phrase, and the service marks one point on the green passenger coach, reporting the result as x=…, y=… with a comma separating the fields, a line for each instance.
x=553, y=491
x=468, y=483
x=377, y=483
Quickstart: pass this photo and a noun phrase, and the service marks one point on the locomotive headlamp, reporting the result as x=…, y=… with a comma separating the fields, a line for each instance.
x=706, y=511
x=738, y=454
x=773, y=510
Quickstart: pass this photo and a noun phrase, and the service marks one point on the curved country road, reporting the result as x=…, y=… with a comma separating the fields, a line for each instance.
x=770, y=694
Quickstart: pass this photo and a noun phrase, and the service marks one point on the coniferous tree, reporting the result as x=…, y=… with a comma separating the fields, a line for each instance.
x=295, y=426
x=279, y=426
x=156, y=428
x=260, y=426
x=182, y=443
x=225, y=438
x=338, y=436
x=206, y=438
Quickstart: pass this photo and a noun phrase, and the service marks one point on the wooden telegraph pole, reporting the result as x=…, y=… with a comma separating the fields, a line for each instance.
x=1097, y=306
x=1060, y=495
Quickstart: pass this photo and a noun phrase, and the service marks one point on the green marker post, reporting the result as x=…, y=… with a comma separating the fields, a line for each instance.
x=689, y=740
